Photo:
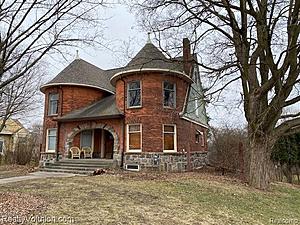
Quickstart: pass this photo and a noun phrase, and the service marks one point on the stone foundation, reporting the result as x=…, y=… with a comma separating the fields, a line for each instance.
x=47, y=158
x=169, y=162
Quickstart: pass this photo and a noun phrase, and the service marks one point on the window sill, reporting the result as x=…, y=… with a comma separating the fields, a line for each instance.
x=169, y=151
x=168, y=107
x=50, y=151
x=52, y=115
x=134, y=107
x=134, y=151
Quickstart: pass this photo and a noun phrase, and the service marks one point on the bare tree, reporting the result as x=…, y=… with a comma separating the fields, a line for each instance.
x=253, y=45
x=21, y=95
x=32, y=29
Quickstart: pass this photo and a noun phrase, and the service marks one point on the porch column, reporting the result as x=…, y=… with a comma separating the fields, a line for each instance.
x=102, y=154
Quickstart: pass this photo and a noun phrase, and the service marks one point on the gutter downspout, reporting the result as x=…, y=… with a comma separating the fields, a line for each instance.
x=124, y=125
x=59, y=123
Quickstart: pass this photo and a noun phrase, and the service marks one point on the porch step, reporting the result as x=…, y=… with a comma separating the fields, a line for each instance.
x=84, y=172
x=78, y=166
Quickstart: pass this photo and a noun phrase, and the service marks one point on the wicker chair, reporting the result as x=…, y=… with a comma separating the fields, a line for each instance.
x=75, y=151
x=88, y=152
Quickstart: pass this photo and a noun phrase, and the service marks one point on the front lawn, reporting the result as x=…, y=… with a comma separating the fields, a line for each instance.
x=188, y=198
x=14, y=170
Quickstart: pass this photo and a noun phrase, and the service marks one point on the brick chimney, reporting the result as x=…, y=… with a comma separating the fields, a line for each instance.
x=187, y=56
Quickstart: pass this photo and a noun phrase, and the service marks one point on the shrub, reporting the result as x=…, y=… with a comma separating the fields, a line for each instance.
x=227, y=149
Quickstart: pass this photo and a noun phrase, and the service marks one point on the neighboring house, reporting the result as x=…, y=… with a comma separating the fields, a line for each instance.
x=148, y=114
x=12, y=132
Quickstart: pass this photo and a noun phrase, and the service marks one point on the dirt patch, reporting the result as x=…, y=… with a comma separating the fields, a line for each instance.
x=16, y=208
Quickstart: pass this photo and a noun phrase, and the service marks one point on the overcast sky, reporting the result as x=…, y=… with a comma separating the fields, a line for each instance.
x=122, y=29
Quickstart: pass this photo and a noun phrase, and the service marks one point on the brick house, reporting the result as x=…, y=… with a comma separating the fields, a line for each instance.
x=149, y=114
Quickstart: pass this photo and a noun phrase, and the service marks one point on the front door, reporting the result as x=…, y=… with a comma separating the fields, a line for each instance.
x=109, y=145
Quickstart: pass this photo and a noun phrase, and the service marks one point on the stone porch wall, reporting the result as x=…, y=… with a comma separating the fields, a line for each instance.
x=169, y=162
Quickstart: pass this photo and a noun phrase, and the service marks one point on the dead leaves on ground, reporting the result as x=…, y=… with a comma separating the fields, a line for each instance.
x=17, y=207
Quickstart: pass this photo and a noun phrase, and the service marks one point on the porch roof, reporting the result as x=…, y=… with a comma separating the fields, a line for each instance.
x=105, y=108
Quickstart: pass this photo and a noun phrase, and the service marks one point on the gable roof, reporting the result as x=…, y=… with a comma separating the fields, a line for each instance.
x=105, y=108
x=13, y=126
x=80, y=72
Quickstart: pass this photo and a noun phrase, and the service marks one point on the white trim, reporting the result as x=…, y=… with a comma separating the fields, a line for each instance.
x=141, y=96
x=47, y=137
x=163, y=95
x=138, y=167
x=197, y=107
x=74, y=84
x=127, y=137
x=181, y=74
x=195, y=122
x=185, y=100
x=49, y=103
x=175, y=138
x=202, y=137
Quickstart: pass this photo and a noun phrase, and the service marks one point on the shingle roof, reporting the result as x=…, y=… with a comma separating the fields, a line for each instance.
x=80, y=72
x=151, y=57
x=105, y=108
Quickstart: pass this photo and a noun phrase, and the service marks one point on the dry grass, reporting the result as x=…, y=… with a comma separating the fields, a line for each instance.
x=14, y=170
x=189, y=198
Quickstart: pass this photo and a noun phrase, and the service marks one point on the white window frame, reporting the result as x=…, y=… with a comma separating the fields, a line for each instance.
x=47, y=140
x=201, y=133
x=141, y=97
x=3, y=146
x=175, y=137
x=93, y=135
x=49, y=104
x=163, y=95
x=127, y=137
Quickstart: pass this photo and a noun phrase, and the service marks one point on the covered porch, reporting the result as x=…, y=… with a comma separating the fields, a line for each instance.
x=100, y=141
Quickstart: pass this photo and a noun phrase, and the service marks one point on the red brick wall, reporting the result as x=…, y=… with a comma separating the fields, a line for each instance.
x=152, y=114
x=70, y=98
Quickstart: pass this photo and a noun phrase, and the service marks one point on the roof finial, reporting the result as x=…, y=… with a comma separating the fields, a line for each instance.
x=77, y=54
x=149, y=38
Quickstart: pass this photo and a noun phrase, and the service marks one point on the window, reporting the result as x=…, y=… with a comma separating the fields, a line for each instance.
x=51, y=140
x=53, y=104
x=1, y=147
x=199, y=137
x=134, y=94
x=134, y=137
x=86, y=138
x=169, y=135
x=169, y=94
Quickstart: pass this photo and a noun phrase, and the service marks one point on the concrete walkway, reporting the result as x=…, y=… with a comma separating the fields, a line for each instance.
x=36, y=175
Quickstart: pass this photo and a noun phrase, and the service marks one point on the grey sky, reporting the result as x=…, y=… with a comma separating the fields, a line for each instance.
x=121, y=28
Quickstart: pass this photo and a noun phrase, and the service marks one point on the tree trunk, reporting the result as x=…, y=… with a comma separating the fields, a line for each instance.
x=259, y=169
x=287, y=170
